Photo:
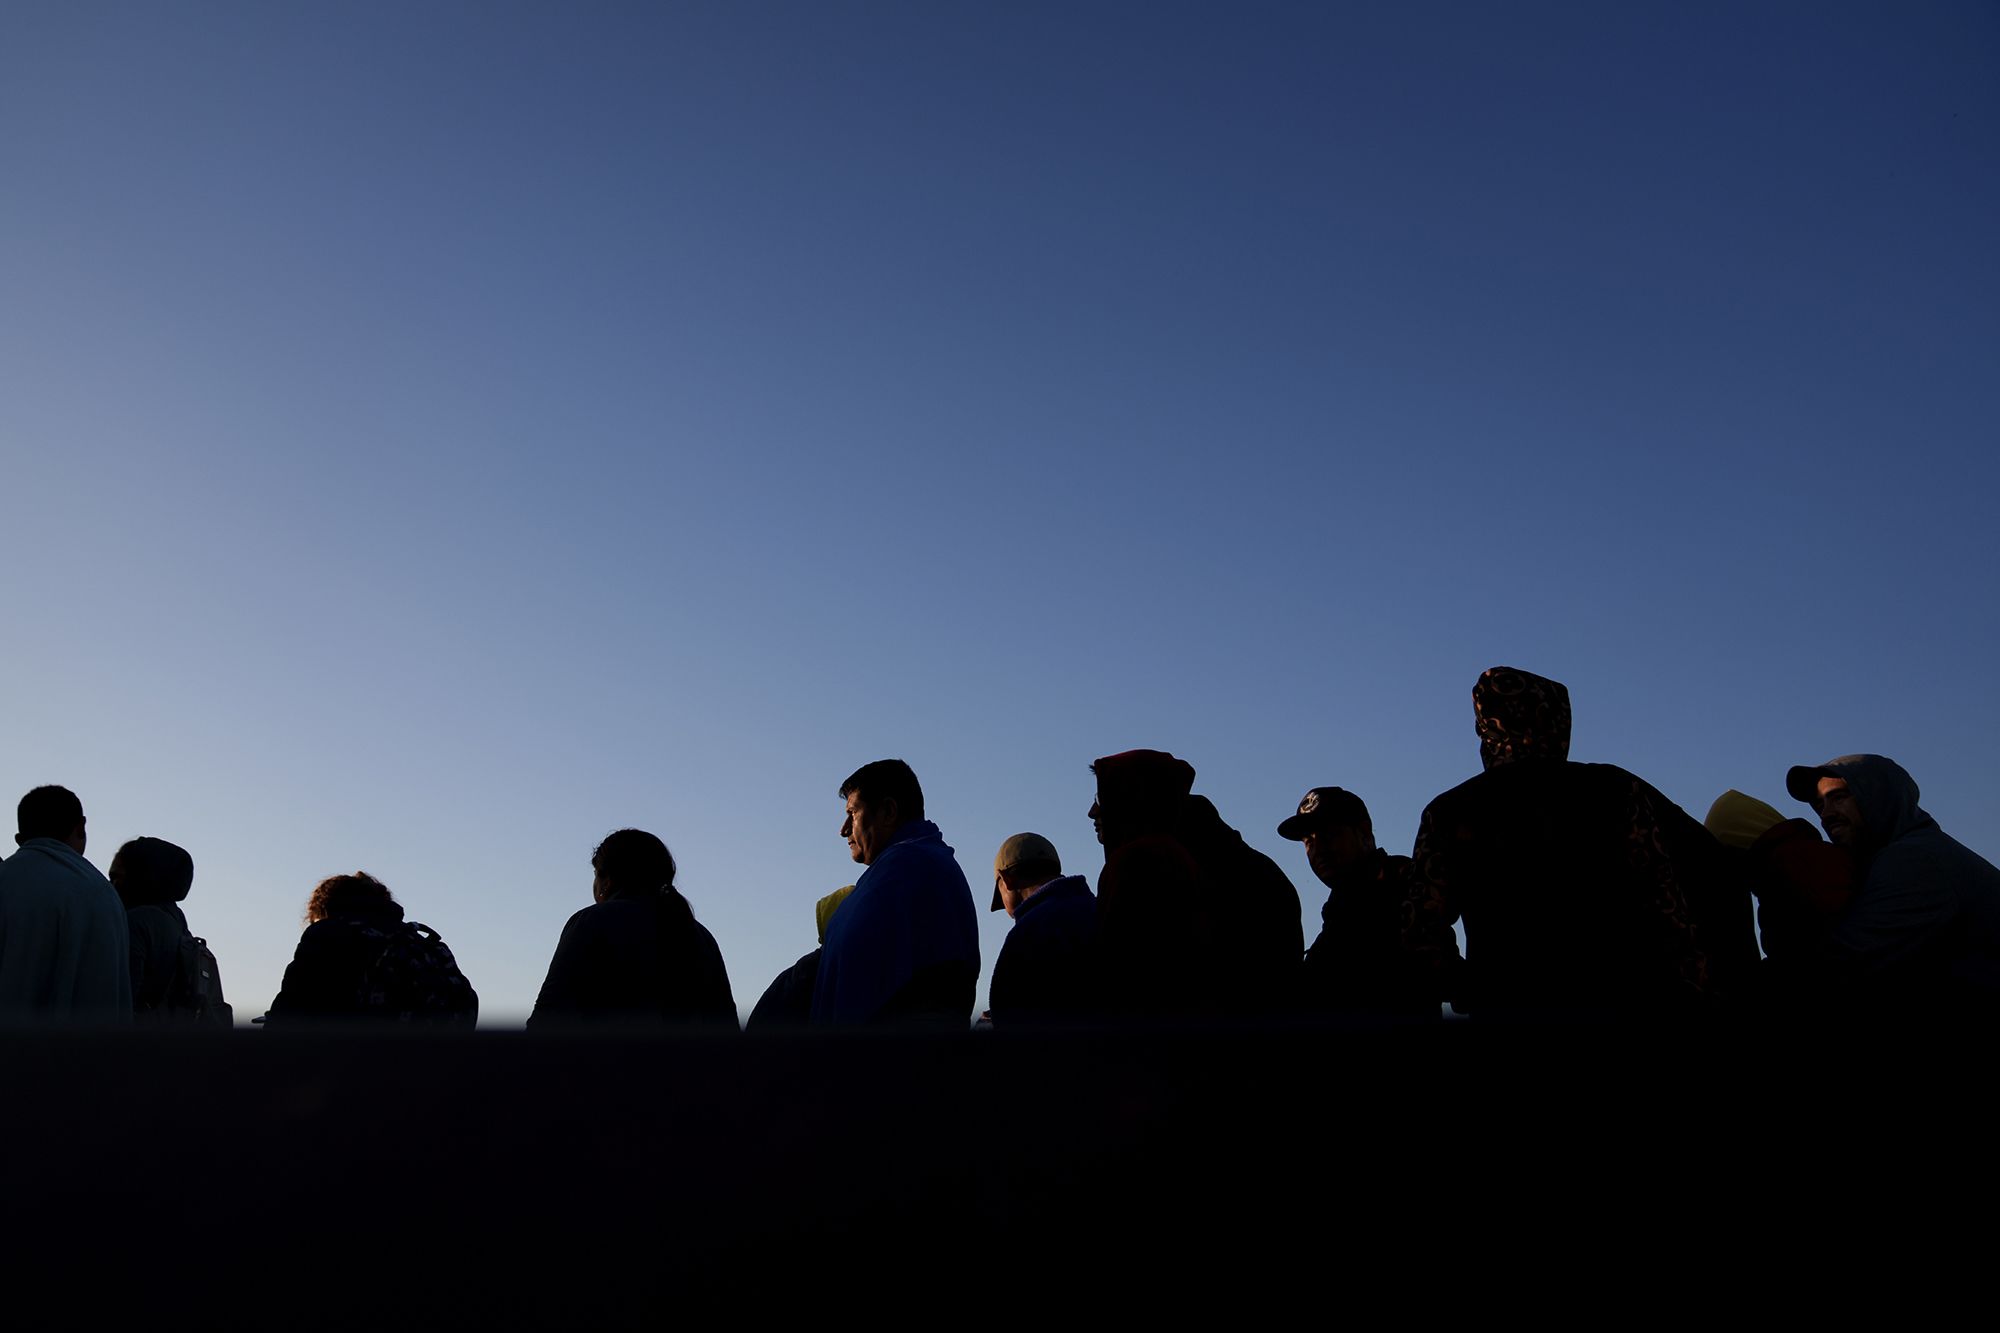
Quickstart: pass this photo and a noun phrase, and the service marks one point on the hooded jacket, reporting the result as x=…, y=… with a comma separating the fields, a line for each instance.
x=63, y=941
x=904, y=946
x=154, y=878
x=1565, y=874
x=1923, y=931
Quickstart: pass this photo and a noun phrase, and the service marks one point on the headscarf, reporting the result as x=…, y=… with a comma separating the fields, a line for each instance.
x=1519, y=715
x=823, y=909
x=1736, y=820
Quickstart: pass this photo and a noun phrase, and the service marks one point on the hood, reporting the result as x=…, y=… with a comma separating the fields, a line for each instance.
x=1519, y=715
x=1738, y=820
x=1202, y=826
x=824, y=909
x=1139, y=793
x=151, y=871
x=1886, y=794
x=1142, y=780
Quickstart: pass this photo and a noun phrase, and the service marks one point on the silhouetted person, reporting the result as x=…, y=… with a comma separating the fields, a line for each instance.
x=787, y=1002
x=1357, y=966
x=1922, y=936
x=1561, y=871
x=1803, y=883
x=1152, y=936
x=1195, y=921
x=904, y=947
x=636, y=956
x=360, y=961
x=63, y=940
x=175, y=979
x=1048, y=968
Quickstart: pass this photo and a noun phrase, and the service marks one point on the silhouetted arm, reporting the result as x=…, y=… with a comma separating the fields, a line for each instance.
x=1668, y=925
x=1428, y=913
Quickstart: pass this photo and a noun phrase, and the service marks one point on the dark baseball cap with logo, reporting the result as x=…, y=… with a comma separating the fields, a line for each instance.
x=1324, y=808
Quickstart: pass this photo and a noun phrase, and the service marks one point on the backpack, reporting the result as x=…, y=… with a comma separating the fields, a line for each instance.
x=195, y=993
x=414, y=978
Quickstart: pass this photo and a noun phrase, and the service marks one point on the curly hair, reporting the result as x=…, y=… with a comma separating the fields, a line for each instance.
x=330, y=897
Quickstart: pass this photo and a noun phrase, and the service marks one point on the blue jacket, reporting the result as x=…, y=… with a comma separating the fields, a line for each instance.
x=1047, y=969
x=905, y=944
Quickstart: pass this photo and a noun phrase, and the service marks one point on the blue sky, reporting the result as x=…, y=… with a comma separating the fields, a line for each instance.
x=437, y=435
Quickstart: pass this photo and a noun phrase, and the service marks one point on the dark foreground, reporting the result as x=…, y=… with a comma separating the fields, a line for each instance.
x=1564, y=1174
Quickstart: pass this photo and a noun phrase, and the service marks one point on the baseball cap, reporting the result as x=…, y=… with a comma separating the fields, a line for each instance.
x=1326, y=807
x=1021, y=847
x=1802, y=781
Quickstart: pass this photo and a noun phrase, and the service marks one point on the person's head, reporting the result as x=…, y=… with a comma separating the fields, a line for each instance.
x=343, y=895
x=51, y=812
x=1519, y=715
x=1339, y=837
x=1138, y=792
x=824, y=909
x=881, y=797
x=149, y=871
x=1839, y=811
x=1863, y=800
x=1024, y=863
x=631, y=861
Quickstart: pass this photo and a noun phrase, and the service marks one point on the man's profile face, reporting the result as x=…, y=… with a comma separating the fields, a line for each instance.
x=867, y=827
x=1335, y=851
x=1839, y=813
x=1097, y=818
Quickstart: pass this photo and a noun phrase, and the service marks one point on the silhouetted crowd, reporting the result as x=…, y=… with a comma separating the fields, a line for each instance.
x=1582, y=890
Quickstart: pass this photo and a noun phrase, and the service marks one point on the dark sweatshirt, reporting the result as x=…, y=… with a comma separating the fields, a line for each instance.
x=636, y=959
x=1923, y=932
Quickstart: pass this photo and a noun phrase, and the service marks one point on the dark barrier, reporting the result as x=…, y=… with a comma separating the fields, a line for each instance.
x=409, y=1179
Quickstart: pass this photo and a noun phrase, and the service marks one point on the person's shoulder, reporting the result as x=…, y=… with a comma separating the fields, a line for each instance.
x=1451, y=796
x=1928, y=861
x=595, y=918
x=915, y=859
x=1060, y=910
x=337, y=931
x=703, y=937
x=153, y=919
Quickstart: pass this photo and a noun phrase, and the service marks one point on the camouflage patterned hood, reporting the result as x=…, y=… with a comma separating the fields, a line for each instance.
x=1519, y=715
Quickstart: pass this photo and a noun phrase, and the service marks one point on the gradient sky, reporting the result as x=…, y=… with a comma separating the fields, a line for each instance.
x=437, y=435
